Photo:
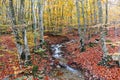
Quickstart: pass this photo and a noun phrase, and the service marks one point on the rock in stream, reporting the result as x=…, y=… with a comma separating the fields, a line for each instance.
x=63, y=71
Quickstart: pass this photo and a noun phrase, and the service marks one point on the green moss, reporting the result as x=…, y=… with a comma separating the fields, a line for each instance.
x=108, y=41
x=83, y=49
x=40, y=51
x=91, y=44
x=28, y=63
x=105, y=61
x=45, y=43
x=112, y=46
x=34, y=70
x=4, y=26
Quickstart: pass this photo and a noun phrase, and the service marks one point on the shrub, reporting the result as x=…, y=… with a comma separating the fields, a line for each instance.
x=34, y=70
x=40, y=51
x=91, y=44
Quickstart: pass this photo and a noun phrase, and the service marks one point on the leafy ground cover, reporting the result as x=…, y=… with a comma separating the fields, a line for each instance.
x=89, y=59
x=86, y=61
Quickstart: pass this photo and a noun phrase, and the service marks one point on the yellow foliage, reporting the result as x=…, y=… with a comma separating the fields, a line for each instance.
x=30, y=37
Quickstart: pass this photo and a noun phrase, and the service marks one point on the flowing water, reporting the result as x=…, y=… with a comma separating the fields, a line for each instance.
x=68, y=73
x=62, y=71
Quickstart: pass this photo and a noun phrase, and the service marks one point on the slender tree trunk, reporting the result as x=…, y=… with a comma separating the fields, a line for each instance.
x=15, y=30
x=22, y=21
x=104, y=47
x=34, y=24
x=95, y=15
x=29, y=13
x=12, y=11
x=26, y=48
x=17, y=37
x=87, y=18
x=40, y=7
x=106, y=19
x=91, y=14
x=21, y=11
x=83, y=15
x=81, y=34
x=50, y=22
x=62, y=14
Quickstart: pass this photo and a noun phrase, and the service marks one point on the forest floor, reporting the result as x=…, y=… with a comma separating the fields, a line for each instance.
x=87, y=61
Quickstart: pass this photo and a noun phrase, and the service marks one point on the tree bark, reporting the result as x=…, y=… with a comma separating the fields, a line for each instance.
x=12, y=11
x=16, y=34
x=104, y=47
x=106, y=19
x=40, y=8
x=83, y=15
x=91, y=13
x=21, y=11
x=34, y=24
x=26, y=48
x=81, y=34
x=95, y=15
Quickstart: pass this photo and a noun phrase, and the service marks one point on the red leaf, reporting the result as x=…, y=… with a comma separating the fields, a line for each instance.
x=46, y=78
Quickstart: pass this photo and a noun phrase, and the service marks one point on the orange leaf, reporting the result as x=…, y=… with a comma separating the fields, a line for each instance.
x=46, y=78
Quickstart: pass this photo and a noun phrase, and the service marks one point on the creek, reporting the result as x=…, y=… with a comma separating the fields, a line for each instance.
x=68, y=73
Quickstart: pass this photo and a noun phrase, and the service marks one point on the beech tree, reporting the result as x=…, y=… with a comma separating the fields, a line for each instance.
x=21, y=11
x=14, y=29
x=106, y=18
x=95, y=11
x=40, y=8
x=23, y=51
x=83, y=15
x=34, y=22
x=102, y=29
x=81, y=34
x=26, y=53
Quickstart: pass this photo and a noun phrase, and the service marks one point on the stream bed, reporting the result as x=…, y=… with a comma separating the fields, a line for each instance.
x=63, y=71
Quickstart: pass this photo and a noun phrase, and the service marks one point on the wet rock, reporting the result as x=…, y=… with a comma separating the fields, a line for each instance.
x=61, y=63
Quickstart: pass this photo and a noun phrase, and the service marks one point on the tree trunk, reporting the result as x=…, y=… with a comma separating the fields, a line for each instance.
x=81, y=34
x=106, y=19
x=21, y=11
x=34, y=24
x=91, y=14
x=95, y=15
x=15, y=30
x=40, y=7
x=16, y=34
x=87, y=20
x=84, y=18
x=12, y=11
x=26, y=48
x=104, y=48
